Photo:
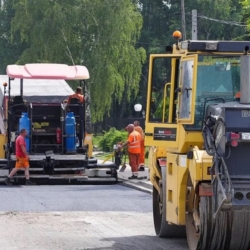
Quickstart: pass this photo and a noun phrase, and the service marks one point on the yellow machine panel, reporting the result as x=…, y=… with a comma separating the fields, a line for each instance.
x=2, y=142
x=176, y=178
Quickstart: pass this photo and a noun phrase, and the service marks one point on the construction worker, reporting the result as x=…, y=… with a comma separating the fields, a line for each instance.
x=78, y=95
x=134, y=149
x=22, y=159
x=140, y=131
x=237, y=95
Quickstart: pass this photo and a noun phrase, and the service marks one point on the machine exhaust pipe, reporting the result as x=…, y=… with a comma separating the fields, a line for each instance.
x=245, y=78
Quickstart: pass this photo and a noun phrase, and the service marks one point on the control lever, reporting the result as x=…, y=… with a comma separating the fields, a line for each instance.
x=187, y=89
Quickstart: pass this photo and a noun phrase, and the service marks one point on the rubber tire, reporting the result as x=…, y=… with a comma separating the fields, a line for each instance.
x=162, y=228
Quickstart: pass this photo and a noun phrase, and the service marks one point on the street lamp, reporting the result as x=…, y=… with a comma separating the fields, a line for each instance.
x=138, y=108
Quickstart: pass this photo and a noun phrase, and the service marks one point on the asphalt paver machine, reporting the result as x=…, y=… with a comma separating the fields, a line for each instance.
x=58, y=144
x=198, y=130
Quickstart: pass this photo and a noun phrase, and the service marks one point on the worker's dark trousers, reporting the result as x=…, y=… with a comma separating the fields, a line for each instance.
x=134, y=160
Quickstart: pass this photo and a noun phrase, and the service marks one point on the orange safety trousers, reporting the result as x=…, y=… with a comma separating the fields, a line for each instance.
x=134, y=160
x=22, y=162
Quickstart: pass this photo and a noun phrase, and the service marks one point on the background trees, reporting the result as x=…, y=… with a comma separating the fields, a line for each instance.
x=161, y=18
x=112, y=38
x=99, y=34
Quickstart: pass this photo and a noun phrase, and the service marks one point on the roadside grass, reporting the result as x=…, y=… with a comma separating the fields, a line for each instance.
x=96, y=140
x=108, y=155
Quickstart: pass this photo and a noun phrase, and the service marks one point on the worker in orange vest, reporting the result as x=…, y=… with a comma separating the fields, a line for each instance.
x=140, y=131
x=237, y=95
x=134, y=150
x=78, y=95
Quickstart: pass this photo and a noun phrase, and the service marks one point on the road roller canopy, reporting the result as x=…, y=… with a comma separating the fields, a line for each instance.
x=48, y=71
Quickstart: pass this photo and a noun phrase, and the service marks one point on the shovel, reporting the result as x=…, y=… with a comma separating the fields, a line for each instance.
x=123, y=165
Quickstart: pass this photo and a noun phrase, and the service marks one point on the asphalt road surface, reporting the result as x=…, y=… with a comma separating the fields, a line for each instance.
x=110, y=217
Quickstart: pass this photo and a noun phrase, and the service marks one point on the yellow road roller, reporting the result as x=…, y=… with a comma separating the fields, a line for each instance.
x=198, y=131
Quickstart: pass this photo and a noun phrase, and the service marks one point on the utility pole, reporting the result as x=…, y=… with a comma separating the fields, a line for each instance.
x=194, y=25
x=183, y=20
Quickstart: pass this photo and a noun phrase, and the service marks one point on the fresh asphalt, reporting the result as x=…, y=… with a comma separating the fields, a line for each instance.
x=93, y=217
x=73, y=198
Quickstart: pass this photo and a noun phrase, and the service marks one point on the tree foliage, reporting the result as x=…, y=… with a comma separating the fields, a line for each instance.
x=246, y=15
x=112, y=38
x=99, y=34
x=224, y=10
x=10, y=51
x=112, y=137
x=162, y=17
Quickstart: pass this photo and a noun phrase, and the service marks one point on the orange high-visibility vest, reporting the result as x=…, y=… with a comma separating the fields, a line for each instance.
x=77, y=96
x=237, y=95
x=134, y=146
x=140, y=131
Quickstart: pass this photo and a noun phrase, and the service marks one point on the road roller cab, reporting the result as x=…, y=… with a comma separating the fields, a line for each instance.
x=59, y=140
x=198, y=130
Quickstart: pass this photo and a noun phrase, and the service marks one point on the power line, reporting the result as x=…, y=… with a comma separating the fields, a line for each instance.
x=207, y=18
x=241, y=24
x=222, y=21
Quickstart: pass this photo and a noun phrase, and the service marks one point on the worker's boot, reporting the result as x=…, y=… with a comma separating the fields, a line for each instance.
x=7, y=181
x=30, y=183
x=133, y=177
x=141, y=168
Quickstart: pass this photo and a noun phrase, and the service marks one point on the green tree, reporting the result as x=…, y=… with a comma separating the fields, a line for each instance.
x=99, y=34
x=226, y=10
x=162, y=17
x=159, y=22
x=10, y=50
x=246, y=17
x=112, y=137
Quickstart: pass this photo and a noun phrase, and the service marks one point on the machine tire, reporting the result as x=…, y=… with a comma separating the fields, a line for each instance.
x=162, y=228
